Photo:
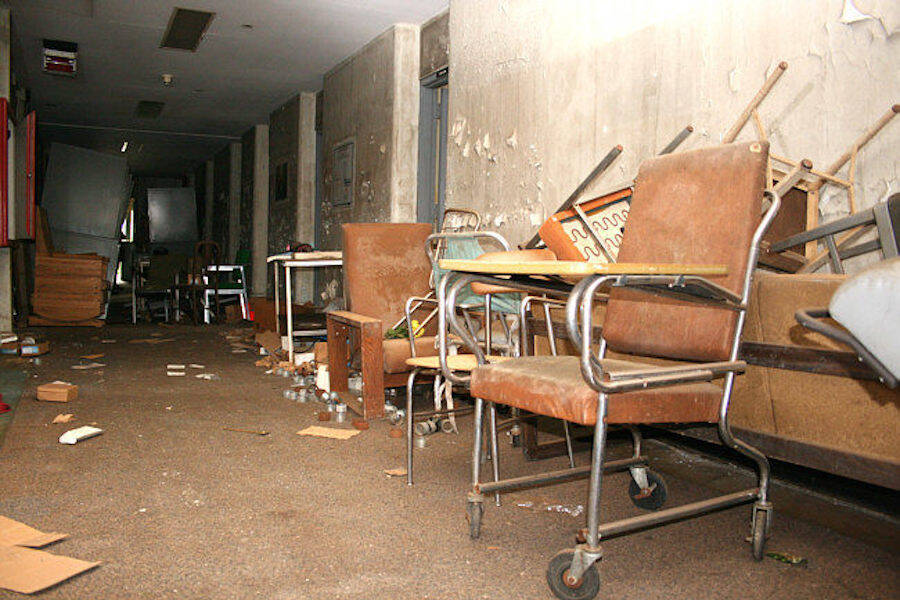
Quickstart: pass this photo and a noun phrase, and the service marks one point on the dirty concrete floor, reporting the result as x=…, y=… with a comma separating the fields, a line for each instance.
x=175, y=507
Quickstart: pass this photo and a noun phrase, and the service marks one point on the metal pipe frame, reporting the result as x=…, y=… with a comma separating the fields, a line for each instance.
x=674, y=514
x=811, y=318
x=581, y=297
x=863, y=217
x=552, y=477
x=585, y=555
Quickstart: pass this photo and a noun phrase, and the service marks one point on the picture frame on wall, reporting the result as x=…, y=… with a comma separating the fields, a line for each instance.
x=343, y=173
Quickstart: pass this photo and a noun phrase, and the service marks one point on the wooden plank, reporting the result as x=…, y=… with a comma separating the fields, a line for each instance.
x=69, y=285
x=812, y=221
x=338, y=353
x=350, y=318
x=884, y=473
x=370, y=343
x=770, y=82
x=806, y=359
x=36, y=320
x=573, y=268
x=861, y=141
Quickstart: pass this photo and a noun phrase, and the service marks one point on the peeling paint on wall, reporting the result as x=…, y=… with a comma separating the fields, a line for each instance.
x=563, y=82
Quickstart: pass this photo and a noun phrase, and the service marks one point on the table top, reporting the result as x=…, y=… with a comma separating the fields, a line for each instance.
x=573, y=268
x=335, y=256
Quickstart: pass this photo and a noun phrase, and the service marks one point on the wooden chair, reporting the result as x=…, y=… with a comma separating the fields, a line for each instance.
x=696, y=207
x=384, y=264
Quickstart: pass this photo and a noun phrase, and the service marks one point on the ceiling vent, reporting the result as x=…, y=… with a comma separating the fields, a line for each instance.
x=186, y=29
x=60, y=58
x=148, y=109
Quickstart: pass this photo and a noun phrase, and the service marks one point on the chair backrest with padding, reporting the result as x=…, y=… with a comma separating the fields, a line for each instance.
x=384, y=264
x=701, y=206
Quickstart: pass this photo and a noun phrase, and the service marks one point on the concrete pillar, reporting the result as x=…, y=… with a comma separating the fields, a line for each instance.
x=234, y=201
x=6, y=298
x=260, y=234
x=305, y=229
x=209, y=200
x=405, y=133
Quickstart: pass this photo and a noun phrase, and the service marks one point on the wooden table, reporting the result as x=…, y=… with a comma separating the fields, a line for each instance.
x=298, y=260
x=573, y=268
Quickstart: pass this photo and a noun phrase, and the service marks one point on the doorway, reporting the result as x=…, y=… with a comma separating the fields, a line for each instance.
x=432, y=176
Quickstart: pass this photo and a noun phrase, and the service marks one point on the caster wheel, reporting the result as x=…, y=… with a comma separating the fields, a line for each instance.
x=654, y=497
x=474, y=511
x=585, y=589
x=758, y=535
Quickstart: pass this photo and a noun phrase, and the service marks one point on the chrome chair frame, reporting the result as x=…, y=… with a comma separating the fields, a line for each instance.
x=580, y=303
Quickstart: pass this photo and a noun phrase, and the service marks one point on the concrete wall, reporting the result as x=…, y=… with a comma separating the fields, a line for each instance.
x=372, y=99
x=221, y=212
x=245, y=235
x=260, y=231
x=283, y=143
x=560, y=83
x=434, y=37
x=305, y=220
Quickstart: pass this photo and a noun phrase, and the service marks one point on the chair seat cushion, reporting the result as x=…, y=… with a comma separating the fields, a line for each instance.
x=396, y=351
x=553, y=386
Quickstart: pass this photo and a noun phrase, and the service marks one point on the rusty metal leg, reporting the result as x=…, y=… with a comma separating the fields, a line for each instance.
x=475, y=500
x=495, y=454
x=569, y=450
x=409, y=425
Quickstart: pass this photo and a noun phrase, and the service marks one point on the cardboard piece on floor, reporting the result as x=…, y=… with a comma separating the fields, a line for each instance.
x=329, y=432
x=93, y=365
x=28, y=571
x=150, y=340
x=62, y=418
x=58, y=391
x=269, y=340
x=13, y=533
x=400, y=472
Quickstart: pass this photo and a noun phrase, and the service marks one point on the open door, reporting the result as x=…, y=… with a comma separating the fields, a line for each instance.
x=432, y=176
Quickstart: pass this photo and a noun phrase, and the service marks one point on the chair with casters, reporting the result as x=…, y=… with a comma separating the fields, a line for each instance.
x=666, y=354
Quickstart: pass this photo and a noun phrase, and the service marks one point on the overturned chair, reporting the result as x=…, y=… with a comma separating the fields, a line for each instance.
x=699, y=207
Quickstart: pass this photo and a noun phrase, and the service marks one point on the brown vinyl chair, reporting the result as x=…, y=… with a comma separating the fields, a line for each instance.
x=700, y=207
x=384, y=264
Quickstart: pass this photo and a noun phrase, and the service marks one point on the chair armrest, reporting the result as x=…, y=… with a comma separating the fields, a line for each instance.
x=350, y=318
x=667, y=376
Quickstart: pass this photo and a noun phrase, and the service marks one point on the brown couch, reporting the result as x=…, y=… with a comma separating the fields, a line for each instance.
x=844, y=426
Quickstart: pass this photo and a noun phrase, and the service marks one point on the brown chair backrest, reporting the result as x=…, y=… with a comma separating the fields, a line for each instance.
x=384, y=264
x=701, y=206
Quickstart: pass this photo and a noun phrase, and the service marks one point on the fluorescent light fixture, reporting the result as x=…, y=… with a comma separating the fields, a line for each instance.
x=124, y=146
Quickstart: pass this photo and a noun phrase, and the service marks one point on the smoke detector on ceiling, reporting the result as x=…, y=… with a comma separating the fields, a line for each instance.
x=60, y=58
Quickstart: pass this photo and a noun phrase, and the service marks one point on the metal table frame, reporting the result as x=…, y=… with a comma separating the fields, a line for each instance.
x=289, y=261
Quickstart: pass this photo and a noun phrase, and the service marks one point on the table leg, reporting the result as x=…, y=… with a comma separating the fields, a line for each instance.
x=288, y=306
x=277, y=294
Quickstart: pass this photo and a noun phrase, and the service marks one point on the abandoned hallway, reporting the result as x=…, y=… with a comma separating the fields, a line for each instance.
x=176, y=507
